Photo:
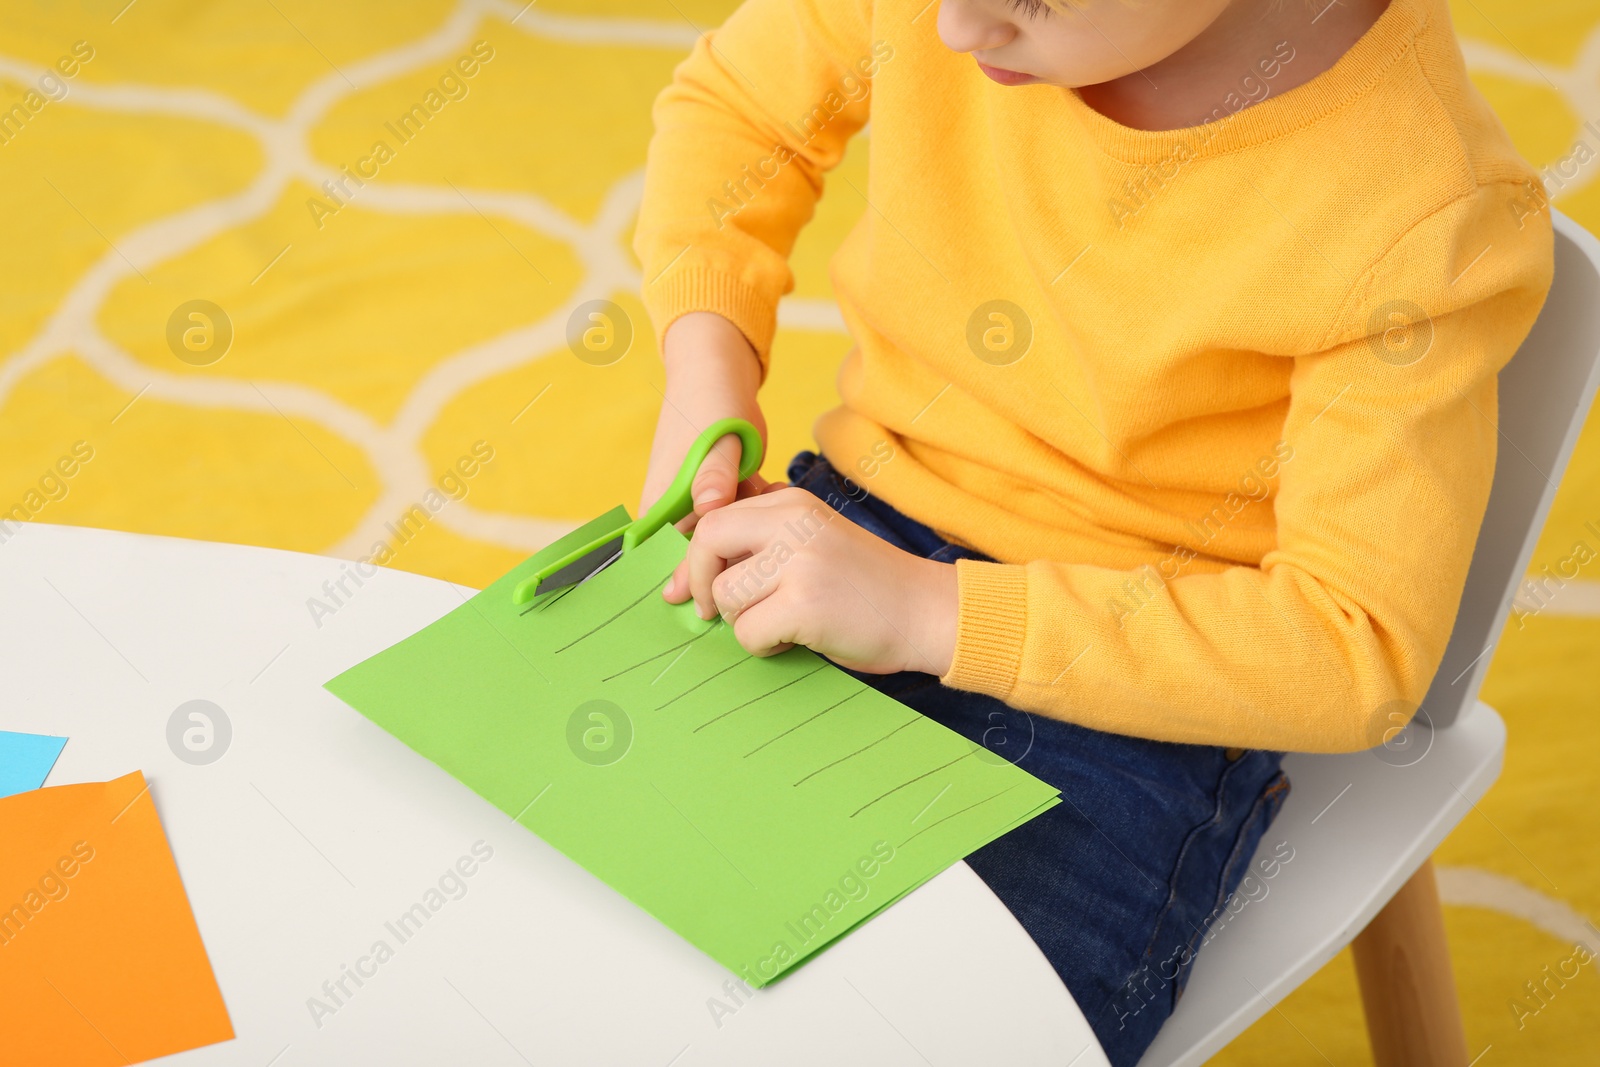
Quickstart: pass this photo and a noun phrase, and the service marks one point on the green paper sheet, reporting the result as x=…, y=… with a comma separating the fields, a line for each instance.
x=759, y=807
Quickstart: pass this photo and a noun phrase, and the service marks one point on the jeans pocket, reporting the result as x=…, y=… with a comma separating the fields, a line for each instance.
x=806, y=469
x=1233, y=872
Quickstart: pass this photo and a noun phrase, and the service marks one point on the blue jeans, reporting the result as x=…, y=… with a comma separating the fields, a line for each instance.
x=1119, y=883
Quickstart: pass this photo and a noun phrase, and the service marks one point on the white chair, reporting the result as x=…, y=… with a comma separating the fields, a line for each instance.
x=1362, y=826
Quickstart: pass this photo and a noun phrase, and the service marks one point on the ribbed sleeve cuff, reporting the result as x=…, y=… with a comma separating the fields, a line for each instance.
x=992, y=613
x=706, y=289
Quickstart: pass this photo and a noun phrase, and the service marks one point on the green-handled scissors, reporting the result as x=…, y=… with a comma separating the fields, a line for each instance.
x=588, y=550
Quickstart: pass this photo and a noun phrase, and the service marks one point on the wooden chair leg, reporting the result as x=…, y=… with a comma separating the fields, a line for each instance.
x=1407, y=989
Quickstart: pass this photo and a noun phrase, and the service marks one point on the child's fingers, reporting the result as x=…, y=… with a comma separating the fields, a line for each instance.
x=727, y=535
x=744, y=583
x=710, y=487
x=765, y=628
x=755, y=485
x=676, y=590
x=717, y=481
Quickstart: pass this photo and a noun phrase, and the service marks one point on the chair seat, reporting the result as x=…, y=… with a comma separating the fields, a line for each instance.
x=1359, y=825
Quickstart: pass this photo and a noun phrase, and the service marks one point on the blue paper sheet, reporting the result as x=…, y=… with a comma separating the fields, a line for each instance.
x=25, y=760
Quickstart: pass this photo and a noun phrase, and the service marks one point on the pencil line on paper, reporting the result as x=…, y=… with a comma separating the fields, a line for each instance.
x=909, y=722
x=803, y=722
x=658, y=655
x=706, y=679
x=541, y=604
x=763, y=696
x=620, y=612
x=913, y=781
x=953, y=814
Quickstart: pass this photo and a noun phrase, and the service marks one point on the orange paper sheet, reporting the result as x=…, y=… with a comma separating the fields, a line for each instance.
x=100, y=958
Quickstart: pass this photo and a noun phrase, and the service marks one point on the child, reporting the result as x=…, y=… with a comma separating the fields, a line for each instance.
x=1169, y=423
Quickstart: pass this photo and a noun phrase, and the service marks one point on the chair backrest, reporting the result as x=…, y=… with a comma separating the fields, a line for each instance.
x=1545, y=393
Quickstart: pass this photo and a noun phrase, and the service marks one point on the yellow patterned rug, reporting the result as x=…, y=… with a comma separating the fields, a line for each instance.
x=298, y=274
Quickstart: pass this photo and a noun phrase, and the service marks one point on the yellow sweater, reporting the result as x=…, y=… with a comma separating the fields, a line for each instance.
x=1220, y=400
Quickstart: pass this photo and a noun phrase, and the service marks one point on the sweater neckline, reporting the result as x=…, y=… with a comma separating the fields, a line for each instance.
x=1351, y=76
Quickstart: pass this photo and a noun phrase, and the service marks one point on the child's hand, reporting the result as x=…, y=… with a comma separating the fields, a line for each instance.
x=712, y=373
x=785, y=569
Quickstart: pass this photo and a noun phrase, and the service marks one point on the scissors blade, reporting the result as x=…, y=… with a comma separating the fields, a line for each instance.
x=581, y=569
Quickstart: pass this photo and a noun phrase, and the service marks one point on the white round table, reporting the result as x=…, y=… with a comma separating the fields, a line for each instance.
x=314, y=831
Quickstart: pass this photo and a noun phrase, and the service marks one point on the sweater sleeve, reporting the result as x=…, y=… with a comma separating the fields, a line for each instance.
x=1383, y=475
x=756, y=114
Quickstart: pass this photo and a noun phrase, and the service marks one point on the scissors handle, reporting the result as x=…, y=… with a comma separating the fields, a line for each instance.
x=677, y=501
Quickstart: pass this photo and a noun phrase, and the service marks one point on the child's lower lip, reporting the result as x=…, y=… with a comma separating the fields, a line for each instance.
x=1005, y=77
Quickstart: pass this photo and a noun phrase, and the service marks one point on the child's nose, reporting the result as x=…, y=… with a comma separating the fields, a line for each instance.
x=973, y=25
